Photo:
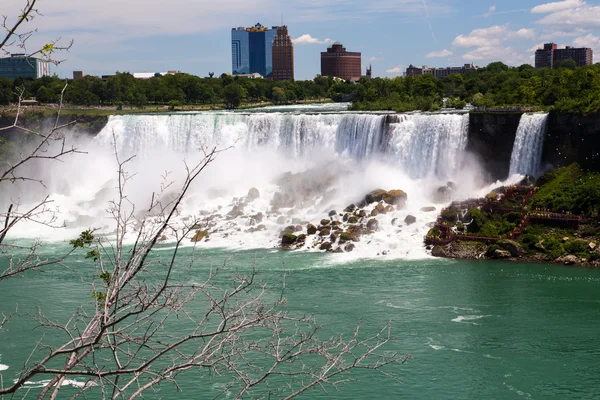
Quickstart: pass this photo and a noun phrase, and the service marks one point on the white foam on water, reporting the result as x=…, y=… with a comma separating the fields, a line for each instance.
x=467, y=319
x=3, y=367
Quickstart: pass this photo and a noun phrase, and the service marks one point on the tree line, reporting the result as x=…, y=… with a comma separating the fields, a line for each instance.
x=177, y=89
x=564, y=88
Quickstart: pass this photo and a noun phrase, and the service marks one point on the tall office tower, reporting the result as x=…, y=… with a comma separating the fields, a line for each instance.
x=283, y=55
x=252, y=50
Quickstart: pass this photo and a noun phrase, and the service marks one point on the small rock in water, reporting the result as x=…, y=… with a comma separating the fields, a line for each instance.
x=325, y=246
x=281, y=220
x=253, y=194
x=373, y=224
x=199, y=236
x=410, y=219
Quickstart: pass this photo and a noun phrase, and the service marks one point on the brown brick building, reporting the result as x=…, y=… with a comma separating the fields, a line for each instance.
x=283, y=55
x=551, y=54
x=338, y=62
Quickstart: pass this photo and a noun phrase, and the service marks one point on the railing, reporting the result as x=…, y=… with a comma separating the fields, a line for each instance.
x=504, y=109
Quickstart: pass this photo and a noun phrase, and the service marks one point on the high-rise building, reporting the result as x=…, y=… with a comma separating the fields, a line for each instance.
x=22, y=66
x=283, y=55
x=338, y=62
x=582, y=56
x=252, y=50
x=551, y=54
x=78, y=75
x=545, y=57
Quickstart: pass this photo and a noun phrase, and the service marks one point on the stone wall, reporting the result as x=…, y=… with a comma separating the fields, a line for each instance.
x=572, y=138
x=490, y=141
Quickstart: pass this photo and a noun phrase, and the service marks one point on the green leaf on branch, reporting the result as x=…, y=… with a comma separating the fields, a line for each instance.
x=85, y=239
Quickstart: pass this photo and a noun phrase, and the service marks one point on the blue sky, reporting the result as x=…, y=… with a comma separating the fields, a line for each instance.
x=194, y=35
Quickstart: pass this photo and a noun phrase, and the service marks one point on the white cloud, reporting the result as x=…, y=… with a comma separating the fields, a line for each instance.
x=534, y=48
x=491, y=11
x=508, y=55
x=588, y=41
x=492, y=36
x=557, y=6
x=395, y=70
x=308, y=39
x=436, y=54
x=566, y=33
x=575, y=18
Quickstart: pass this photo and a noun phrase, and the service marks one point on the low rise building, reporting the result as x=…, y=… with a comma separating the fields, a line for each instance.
x=439, y=72
x=23, y=66
x=338, y=62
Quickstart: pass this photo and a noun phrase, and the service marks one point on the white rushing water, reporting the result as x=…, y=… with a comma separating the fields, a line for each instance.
x=337, y=157
x=529, y=141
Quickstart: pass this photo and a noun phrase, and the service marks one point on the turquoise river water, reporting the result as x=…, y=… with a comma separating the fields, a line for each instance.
x=476, y=330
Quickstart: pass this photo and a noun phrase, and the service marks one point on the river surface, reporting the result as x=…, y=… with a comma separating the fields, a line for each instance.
x=475, y=329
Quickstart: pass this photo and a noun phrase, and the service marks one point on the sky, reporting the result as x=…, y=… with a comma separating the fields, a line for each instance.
x=194, y=36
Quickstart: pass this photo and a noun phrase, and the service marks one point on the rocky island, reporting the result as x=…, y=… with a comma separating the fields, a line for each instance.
x=554, y=220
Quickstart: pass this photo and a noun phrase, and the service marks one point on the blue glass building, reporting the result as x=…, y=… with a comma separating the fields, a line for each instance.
x=252, y=50
x=21, y=66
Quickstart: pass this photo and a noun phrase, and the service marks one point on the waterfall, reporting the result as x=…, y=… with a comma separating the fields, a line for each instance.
x=430, y=145
x=529, y=140
x=423, y=145
x=304, y=164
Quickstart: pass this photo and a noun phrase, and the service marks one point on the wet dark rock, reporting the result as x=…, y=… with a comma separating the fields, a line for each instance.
x=289, y=229
x=395, y=197
x=500, y=254
x=348, y=248
x=373, y=224
x=253, y=194
x=311, y=229
x=326, y=246
x=325, y=231
x=410, y=219
x=375, y=196
x=428, y=209
x=511, y=246
x=325, y=222
x=199, y=236
x=236, y=211
x=289, y=239
x=332, y=213
x=348, y=237
x=374, y=213
x=350, y=208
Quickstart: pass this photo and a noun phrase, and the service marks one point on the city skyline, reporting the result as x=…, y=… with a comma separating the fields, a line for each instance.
x=195, y=36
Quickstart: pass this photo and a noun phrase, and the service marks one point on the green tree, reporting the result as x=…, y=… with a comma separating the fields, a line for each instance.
x=234, y=95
